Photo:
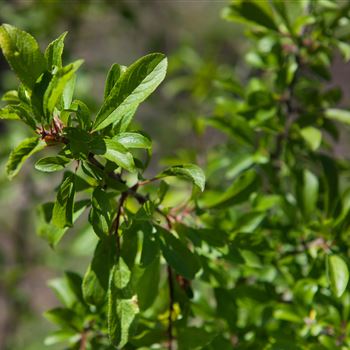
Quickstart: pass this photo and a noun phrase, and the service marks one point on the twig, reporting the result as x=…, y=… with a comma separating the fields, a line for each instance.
x=116, y=223
x=83, y=340
x=146, y=182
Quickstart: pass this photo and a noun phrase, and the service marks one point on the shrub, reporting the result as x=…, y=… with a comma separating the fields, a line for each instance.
x=259, y=261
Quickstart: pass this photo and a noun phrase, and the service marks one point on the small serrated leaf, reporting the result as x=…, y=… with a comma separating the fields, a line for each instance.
x=133, y=140
x=134, y=86
x=188, y=171
x=112, y=77
x=8, y=113
x=53, y=52
x=23, y=151
x=117, y=153
x=23, y=54
x=51, y=164
x=96, y=279
x=62, y=214
x=56, y=87
x=122, y=305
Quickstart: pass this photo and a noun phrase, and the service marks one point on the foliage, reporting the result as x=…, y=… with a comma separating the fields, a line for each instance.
x=103, y=166
x=260, y=260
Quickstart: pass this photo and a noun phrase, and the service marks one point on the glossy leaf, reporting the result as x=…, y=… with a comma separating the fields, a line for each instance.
x=117, y=153
x=148, y=284
x=50, y=232
x=83, y=114
x=51, y=164
x=340, y=115
x=53, y=52
x=338, y=274
x=136, y=84
x=62, y=214
x=190, y=172
x=178, y=256
x=133, y=140
x=64, y=317
x=312, y=136
x=19, y=155
x=96, y=279
x=22, y=53
x=251, y=11
x=56, y=87
x=8, y=113
x=122, y=305
x=239, y=191
x=310, y=192
x=112, y=77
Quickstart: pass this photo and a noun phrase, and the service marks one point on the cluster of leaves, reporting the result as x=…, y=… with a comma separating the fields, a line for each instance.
x=103, y=160
x=266, y=245
x=284, y=201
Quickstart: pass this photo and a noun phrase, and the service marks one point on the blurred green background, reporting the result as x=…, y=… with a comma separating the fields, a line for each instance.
x=197, y=42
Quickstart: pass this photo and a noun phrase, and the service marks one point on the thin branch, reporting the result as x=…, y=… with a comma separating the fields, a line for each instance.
x=116, y=223
x=83, y=340
x=146, y=182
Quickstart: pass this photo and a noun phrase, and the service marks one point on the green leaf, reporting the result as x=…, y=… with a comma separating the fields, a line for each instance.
x=178, y=256
x=37, y=96
x=251, y=11
x=214, y=237
x=53, y=52
x=68, y=92
x=25, y=113
x=47, y=230
x=8, y=113
x=194, y=338
x=312, y=136
x=62, y=336
x=63, y=292
x=66, y=318
x=340, y=115
x=83, y=114
x=133, y=140
x=310, y=192
x=102, y=212
x=344, y=49
x=11, y=97
x=74, y=282
x=19, y=155
x=331, y=183
x=134, y=86
x=56, y=87
x=22, y=53
x=62, y=214
x=305, y=290
x=287, y=313
x=122, y=305
x=125, y=121
x=188, y=171
x=117, y=153
x=51, y=164
x=96, y=279
x=337, y=273
x=112, y=77
x=81, y=142
x=148, y=284
x=150, y=243
x=238, y=192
